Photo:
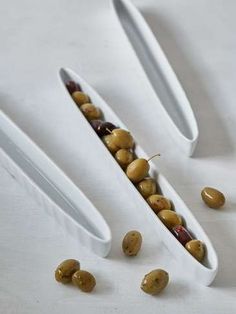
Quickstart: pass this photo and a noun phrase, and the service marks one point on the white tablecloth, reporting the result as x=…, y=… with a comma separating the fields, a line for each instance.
x=37, y=38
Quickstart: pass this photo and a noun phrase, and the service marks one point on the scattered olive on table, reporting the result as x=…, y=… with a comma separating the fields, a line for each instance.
x=124, y=157
x=80, y=98
x=90, y=111
x=131, y=243
x=147, y=187
x=158, y=202
x=196, y=249
x=182, y=234
x=155, y=281
x=84, y=280
x=169, y=218
x=66, y=269
x=213, y=198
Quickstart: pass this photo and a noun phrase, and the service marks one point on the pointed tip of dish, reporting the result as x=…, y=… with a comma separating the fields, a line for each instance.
x=65, y=74
x=62, y=69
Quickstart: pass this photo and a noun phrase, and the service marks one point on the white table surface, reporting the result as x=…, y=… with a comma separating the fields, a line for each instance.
x=37, y=38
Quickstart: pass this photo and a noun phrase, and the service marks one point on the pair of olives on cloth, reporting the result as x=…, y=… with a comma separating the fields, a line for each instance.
x=153, y=282
x=69, y=271
x=121, y=144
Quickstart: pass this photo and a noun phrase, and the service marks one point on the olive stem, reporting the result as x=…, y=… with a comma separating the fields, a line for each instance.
x=153, y=157
x=109, y=131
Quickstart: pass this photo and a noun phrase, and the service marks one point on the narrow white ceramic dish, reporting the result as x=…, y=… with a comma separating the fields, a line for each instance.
x=176, y=111
x=202, y=273
x=52, y=189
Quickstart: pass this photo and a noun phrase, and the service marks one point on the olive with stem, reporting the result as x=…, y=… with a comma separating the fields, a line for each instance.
x=138, y=169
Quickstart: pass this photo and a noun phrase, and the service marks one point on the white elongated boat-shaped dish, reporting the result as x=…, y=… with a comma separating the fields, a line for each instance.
x=51, y=188
x=176, y=111
x=202, y=273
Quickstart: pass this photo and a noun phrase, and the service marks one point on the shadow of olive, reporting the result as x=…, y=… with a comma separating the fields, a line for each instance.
x=174, y=290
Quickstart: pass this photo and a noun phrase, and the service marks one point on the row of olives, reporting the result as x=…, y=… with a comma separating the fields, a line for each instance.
x=121, y=144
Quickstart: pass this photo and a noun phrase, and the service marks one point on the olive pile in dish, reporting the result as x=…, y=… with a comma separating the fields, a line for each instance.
x=121, y=145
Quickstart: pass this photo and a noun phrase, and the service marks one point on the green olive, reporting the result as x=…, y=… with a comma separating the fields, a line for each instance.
x=123, y=138
x=155, y=281
x=84, y=280
x=132, y=243
x=137, y=170
x=169, y=218
x=124, y=157
x=108, y=140
x=80, y=98
x=66, y=269
x=90, y=111
x=158, y=202
x=147, y=187
x=196, y=249
x=212, y=197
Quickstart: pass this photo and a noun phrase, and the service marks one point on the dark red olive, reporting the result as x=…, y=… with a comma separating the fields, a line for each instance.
x=182, y=234
x=96, y=124
x=105, y=128
x=72, y=87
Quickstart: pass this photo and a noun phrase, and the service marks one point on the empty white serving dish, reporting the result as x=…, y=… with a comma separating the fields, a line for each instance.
x=175, y=109
x=52, y=189
x=202, y=273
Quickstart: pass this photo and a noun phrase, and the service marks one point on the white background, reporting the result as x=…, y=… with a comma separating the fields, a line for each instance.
x=37, y=38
